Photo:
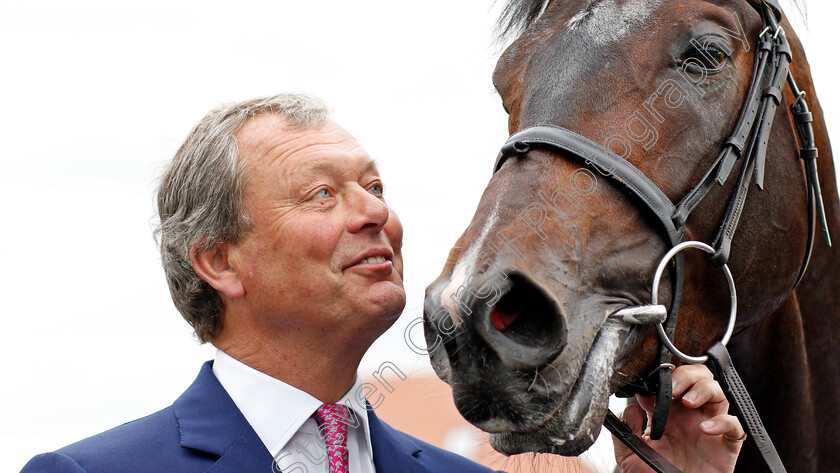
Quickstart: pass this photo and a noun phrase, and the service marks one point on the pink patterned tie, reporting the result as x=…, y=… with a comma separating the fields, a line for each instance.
x=332, y=423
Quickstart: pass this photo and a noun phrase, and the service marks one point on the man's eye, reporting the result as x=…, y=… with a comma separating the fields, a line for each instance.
x=375, y=189
x=324, y=194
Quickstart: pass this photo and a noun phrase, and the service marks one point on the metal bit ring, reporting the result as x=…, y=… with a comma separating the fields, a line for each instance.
x=654, y=295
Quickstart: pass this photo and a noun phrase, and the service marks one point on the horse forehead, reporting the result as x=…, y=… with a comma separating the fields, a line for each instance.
x=584, y=50
x=610, y=21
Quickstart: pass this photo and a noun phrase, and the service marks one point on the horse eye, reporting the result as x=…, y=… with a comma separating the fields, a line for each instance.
x=708, y=60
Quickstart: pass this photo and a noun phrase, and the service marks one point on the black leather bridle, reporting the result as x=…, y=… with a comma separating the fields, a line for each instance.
x=748, y=144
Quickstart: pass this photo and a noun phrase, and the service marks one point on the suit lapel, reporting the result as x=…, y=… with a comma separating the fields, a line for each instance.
x=209, y=421
x=393, y=451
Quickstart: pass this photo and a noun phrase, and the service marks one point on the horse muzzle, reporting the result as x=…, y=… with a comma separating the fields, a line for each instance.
x=510, y=313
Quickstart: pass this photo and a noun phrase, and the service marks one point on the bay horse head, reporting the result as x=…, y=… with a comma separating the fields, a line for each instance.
x=519, y=321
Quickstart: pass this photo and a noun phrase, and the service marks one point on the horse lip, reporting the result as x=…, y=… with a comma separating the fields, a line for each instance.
x=578, y=434
x=498, y=425
x=494, y=425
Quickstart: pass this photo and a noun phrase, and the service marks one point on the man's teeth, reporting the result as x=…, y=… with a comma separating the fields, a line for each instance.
x=374, y=259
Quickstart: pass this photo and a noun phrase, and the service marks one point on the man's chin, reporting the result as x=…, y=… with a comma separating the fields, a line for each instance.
x=392, y=303
x=384, y=300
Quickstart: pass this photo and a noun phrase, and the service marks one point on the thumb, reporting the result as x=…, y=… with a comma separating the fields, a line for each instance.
x=634, y=416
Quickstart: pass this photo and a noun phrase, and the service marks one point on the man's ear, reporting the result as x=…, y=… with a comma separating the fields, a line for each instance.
x=214, y=266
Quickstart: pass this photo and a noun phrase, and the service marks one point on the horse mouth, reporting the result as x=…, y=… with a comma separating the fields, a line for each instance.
x=523, y=369
x=576, y=421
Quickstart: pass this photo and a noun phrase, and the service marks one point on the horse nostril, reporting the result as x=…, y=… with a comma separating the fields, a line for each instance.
x=502, y=319
x=526, y=315
x=525, y=327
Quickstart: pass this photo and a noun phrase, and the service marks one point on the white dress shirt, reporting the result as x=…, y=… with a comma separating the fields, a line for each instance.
x=281, y=416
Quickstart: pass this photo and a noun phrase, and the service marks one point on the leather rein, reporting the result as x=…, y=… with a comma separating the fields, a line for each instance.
x=748, y=143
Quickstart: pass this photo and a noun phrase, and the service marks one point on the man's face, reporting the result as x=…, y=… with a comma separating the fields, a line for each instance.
x=323, y=254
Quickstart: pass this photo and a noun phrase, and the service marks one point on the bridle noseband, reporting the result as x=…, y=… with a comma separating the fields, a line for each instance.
x=747, y=143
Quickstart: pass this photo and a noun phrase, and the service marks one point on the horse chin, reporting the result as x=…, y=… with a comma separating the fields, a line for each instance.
x=576, y=423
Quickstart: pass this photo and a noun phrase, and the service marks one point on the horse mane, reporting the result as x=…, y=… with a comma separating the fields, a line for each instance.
x=517, y=15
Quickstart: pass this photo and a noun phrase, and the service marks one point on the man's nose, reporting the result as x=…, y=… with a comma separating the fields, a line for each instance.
x=367, y=211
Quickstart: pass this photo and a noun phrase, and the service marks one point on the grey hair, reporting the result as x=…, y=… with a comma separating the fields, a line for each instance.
x=200, y=198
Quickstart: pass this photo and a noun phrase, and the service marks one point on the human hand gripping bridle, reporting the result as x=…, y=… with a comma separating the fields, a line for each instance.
x=747, y=143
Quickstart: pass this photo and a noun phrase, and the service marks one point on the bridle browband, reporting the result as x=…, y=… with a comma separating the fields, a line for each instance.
x=747, y=143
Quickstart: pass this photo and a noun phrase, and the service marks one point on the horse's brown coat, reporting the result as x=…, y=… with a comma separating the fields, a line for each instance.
x=601, y=257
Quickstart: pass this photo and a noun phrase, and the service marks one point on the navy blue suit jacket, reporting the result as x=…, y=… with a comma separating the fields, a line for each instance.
x=204, y=431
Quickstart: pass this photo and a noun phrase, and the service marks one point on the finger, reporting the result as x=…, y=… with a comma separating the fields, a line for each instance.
x=634, y=417
x=684, y=377
x=647, y=402
x=725, y=425
x=707, y=393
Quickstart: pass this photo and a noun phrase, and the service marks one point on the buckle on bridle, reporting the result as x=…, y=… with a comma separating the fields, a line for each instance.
x=654, y=295
x=764, y=32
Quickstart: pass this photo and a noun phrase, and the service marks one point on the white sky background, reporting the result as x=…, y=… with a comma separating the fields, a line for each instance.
x=96, y=96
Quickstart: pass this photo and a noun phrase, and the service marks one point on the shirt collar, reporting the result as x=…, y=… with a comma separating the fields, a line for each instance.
x=277, y=410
